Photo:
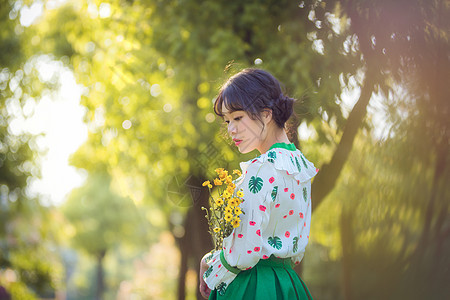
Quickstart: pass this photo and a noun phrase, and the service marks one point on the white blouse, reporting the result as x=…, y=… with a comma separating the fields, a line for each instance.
x=277, y=206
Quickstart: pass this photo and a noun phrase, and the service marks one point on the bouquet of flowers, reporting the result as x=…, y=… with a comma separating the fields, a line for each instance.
x=224, y=210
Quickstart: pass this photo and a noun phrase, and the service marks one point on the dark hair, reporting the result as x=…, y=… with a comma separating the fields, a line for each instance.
x=253, y=90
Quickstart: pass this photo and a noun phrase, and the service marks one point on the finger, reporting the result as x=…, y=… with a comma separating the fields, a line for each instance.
x=204, y=294
x=204, y=290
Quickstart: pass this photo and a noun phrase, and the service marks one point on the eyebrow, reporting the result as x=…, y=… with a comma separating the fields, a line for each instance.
x=229, y=113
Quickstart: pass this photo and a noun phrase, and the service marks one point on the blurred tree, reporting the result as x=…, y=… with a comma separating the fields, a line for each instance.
x=148, y=68
x=112, y=43
x=23, y=226
x=409, y=49
x=183, y=55
x=406, y=60
x=101, y=219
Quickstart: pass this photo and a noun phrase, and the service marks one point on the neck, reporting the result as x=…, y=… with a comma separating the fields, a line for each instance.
x=276, y=136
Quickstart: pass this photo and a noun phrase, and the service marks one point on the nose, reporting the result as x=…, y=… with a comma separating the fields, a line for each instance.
x=232, y=129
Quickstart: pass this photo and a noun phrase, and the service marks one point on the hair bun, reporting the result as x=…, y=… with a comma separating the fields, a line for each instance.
x=282, y=108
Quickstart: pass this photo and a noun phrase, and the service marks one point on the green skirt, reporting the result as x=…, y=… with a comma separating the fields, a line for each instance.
x=270, y=279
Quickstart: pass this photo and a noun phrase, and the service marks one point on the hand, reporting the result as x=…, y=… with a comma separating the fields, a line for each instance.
x=204, y=289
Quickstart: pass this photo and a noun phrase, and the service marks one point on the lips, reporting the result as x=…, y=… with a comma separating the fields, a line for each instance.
x=237, y=141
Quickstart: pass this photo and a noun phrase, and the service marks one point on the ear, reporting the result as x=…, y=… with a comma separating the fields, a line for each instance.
x=267, y=115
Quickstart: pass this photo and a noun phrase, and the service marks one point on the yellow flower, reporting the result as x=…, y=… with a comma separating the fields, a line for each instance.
x=223, y=175
x=240, y=193
x=228, y=217
x=232, y=185
x=228, y=210
x=233, y=202
x=210, y=186
x=237, y=172
x=229, y=179
x=219, y=170
x=237, y=211
x=226, y=194
x=236, y=222
x=219, y=202
x=217, y=229
x=217, y=181
x=206, y=183
x=230, y=190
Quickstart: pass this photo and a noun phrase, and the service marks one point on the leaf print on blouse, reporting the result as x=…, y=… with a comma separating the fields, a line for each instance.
x=295, y=243
x=208, y=272
x=222, y=288
x=298, y=164
x=272, y=156
x=209, y=257
x=274, y=192
x=304, y=162
x=255, y=184
x=275, y=242
x=305, y=194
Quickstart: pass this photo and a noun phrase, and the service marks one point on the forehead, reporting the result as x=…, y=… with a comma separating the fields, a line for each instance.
x=226, y=112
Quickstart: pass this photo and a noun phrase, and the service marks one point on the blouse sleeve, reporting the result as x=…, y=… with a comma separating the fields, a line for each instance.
x=242, y=249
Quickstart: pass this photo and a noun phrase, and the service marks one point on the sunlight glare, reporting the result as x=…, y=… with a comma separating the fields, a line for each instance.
x=59, y=116
x=28, y=15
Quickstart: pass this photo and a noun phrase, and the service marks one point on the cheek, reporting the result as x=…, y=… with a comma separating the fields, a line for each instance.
x=252, y=127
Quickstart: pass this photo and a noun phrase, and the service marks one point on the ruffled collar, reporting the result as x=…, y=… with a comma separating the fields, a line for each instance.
x=290, y=147
x=287, y=158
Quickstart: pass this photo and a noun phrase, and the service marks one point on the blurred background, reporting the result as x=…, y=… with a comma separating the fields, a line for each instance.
x=107, y=132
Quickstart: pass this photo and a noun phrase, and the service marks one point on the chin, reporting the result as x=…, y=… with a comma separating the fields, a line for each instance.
x=245, y=150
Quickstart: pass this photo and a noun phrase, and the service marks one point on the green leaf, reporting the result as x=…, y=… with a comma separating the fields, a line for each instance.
x=222, y=288
x=274, y=192
x=304, y=162
x=275, y=242
x=295, y=243
x=298, y=165
x=305, y=194
x=208, y=272
x=255, y=184
x=272, y=156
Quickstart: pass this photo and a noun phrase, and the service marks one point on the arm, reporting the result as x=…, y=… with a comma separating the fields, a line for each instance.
x=204, y=289
x=242, y=249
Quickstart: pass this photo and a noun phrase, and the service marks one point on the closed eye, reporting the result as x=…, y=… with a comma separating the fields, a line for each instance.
x=236, y=119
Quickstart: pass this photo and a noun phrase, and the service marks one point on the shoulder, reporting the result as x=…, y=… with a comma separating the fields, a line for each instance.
x=258, y=177
x=258, y=165
x=279, y=160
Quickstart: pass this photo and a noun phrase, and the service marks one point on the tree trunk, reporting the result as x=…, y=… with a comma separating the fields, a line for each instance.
x=347, y=241
x=100, y=275
x=437, y=184
x=196, y=240
x=181, y=290
x=329, y=173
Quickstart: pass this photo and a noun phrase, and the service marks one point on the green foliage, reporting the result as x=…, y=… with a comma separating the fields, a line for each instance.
x=382, y=195
x=151, y=70
x=28, y=248
x=101, y=218
x=18, y=290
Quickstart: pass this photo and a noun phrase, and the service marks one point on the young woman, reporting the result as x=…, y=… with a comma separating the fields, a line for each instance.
x=257, y=258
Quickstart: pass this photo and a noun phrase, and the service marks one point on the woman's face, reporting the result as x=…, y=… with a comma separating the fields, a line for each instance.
x=247, y=134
